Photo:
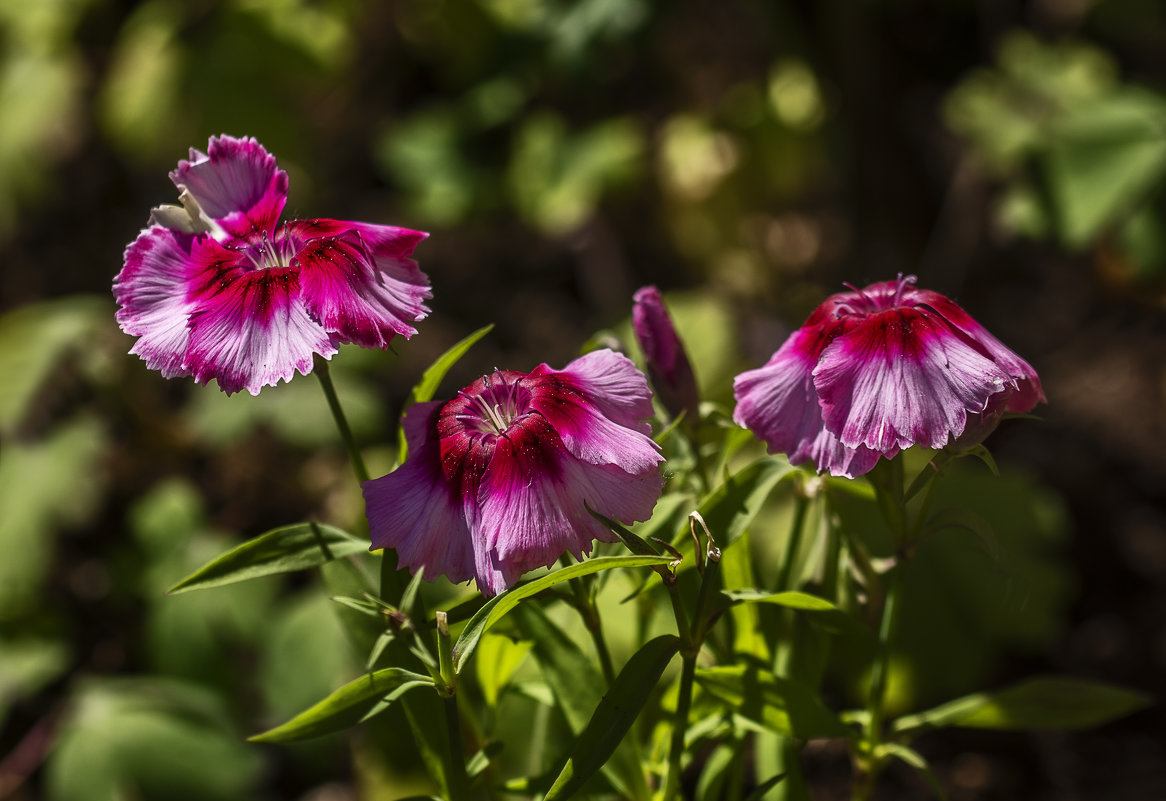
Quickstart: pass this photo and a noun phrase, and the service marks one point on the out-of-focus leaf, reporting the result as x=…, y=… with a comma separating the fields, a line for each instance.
x=423, y=153
x=43, y=485
x=578, y=689
x=498, y=606
x=34, y=340
x=1043, y=703
x=614, y=715
x=431, y=378
x=149, y=738
x=218, y=418
x=139, y=100
x=557, y=178
x=1103, y=158
x=347, y=706
x=281, y=550
x=27, y=665
x=305, y=653
x=498, y=658
x=779, y=704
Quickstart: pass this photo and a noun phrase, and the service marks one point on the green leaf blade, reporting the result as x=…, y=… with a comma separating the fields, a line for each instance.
x=779, y=704
x=347, y=706
x=614, y=715
x=281, y=550
x=498, y=606
x=1042, y=703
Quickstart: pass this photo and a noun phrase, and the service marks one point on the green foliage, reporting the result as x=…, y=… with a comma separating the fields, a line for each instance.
x=282, y=550
x=353, y=703
x=614, y=715
x=149, y=738
x=1043, y=703
x=1082, y=154
x=779, y=704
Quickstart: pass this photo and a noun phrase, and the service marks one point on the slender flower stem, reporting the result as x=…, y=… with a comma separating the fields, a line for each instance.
x=594, y=625
x=679, y=728
x=320, y=368
x=890, y=489
x=455, y=775
x=455, y=760
x=793, y=543
x=878, y=681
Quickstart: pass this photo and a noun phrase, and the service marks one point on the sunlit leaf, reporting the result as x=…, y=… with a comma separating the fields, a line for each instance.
x=347, y=706
x=779, y=704
x=578, y=690
x=281, y=550
x=498, y=606
x=614, y=715
x=1043, y=703
x=148, y=738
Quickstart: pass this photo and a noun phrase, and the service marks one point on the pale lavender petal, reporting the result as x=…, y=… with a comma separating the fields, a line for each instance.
x=252, y=329
x=902, y=378
x=612, y=381
x=151, y=292
x=237, y=184
x=412, y=512
x=356, y=295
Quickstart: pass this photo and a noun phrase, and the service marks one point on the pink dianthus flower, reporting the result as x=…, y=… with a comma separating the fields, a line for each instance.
x=874, y=371
x=217, y=288
x=498, y=480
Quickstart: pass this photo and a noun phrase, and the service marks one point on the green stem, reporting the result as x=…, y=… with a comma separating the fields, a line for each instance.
x=878, y=680
x=320, y=368
x=455, y=772
x=793, y=543
x=594, y=625
x=680, y=728
x=455, y=765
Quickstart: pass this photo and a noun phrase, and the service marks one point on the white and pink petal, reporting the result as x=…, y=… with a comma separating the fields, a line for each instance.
x=902, y=378
x=254, y=331
x=151, y=292
x=236, y=183
x=356, y=296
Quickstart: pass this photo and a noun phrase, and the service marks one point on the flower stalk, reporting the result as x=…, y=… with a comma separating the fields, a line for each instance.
x=456, y=780
x=320, y=368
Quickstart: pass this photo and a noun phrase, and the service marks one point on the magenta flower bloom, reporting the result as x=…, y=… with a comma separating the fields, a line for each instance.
x=498, y=479
x=217, y=288
x=877, y=370
x=664, y=354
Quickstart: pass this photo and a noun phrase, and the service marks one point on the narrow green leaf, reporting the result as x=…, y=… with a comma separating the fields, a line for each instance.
x=281, y=550
x=632, y=541
x=578, y=689
x=347, y=706
x=1043, y=703
x=615, y=715
x=760, y=790
x=498, y=606
x=426, y=388
x=779, y=704
x=731, y=508
x=790, y=600
x=915, y=760
x=823, y=613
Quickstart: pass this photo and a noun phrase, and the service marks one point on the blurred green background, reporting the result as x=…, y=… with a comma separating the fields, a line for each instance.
x=747, y=156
